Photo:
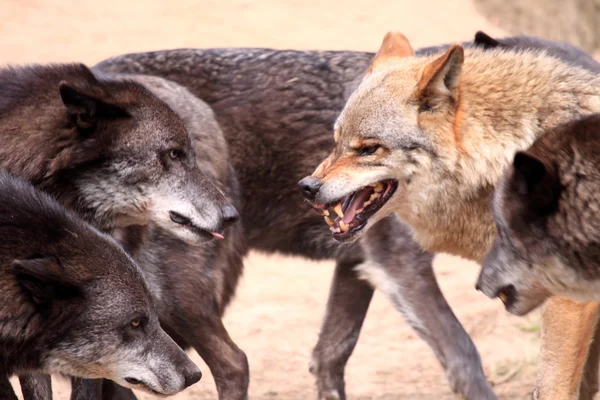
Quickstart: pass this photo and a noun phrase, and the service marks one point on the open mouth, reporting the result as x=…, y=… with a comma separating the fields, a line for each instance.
x=508, y=295
x=350, y=214
x=185, y=221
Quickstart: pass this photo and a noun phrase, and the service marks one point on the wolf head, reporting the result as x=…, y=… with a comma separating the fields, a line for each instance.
x=73, y=302
x=381, y=128
x=433, y=134
x=547, y=213
x=110, y=149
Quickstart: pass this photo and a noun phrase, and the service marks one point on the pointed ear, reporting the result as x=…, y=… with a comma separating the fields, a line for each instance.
x=394, y=45
x=484, y=40
x=529, y=172
x=43, y=278
x=536, y=183
x=87, y=106
x=440, y=79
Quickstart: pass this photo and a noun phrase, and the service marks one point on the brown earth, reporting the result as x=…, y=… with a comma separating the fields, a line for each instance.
x=276, y=315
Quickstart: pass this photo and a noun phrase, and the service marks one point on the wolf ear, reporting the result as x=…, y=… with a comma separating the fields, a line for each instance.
x=540, y=186
x=484, y=40
x=43, y=278
x=86, y=106
x=394, y=45
x=439, y=80
x=529, y=172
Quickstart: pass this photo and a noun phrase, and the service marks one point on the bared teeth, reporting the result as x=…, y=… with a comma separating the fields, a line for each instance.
x=379, y=187
x=374, y=184
x=502, y=296
x=366, y=204
x=334, y=230
x=374, y=196
x=329, y=221
x=326, y=213
x=343, y=226
x=338, y=210
x=359, y=211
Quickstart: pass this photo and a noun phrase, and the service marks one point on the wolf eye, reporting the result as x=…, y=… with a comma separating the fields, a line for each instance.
x=369, y=150
x=136, y=323
x=175, y=154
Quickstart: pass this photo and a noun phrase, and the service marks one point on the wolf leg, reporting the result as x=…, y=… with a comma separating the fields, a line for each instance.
x=6, y=390
x=86, y=389
x=227, y=362
x=113, y=391
x=36, y=387
x=568, y=329
x=398, y=267
x=349, y=299
x=589, y=383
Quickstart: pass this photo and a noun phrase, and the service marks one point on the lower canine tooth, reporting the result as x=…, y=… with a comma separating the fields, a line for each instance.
x=343, y=226
x=338, y=210
x=326, y=213
x=503, y=297
x=329, y=221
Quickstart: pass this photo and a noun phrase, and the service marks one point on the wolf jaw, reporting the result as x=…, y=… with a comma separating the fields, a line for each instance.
x=354, y=210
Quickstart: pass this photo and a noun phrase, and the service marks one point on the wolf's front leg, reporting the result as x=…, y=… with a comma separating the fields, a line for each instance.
x=86, y=389
x=568, y=329
x=398, y=267
x=349, y=299
x=227, y=362
x=589, y=381
x=36, y=387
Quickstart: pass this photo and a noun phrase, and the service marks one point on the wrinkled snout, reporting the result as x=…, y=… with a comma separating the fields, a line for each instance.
x=310, y=187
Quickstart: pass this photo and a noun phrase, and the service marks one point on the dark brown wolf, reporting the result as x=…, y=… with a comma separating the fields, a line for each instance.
x=73, y=302
x=109, y=149
x=546, y=210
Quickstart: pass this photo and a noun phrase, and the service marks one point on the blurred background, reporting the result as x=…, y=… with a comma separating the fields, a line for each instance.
x=276, y=315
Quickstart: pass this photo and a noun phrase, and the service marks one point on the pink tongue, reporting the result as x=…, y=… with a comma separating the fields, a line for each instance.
x=357, y=203
x=217, y=235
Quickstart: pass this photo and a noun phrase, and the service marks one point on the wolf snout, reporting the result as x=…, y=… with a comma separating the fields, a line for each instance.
x=310, y=187
x=230, y=215
x=192, y=376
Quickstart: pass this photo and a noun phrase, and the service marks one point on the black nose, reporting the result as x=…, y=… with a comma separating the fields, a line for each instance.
x=230, y=215
x=192, y=378
x=310, y=187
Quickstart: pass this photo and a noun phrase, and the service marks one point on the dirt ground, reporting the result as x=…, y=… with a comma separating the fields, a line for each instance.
x=276, y=315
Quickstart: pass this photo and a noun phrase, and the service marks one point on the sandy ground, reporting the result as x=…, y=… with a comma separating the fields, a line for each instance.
x=276, y=315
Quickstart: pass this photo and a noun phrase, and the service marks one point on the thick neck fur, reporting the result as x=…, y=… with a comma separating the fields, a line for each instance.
x=507, y=99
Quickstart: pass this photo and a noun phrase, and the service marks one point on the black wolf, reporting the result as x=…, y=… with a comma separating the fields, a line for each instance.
x=73, y=302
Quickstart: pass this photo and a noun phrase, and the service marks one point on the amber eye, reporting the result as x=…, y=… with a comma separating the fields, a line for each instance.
x=136, y=323
x=369, y=150
x=175, y=154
